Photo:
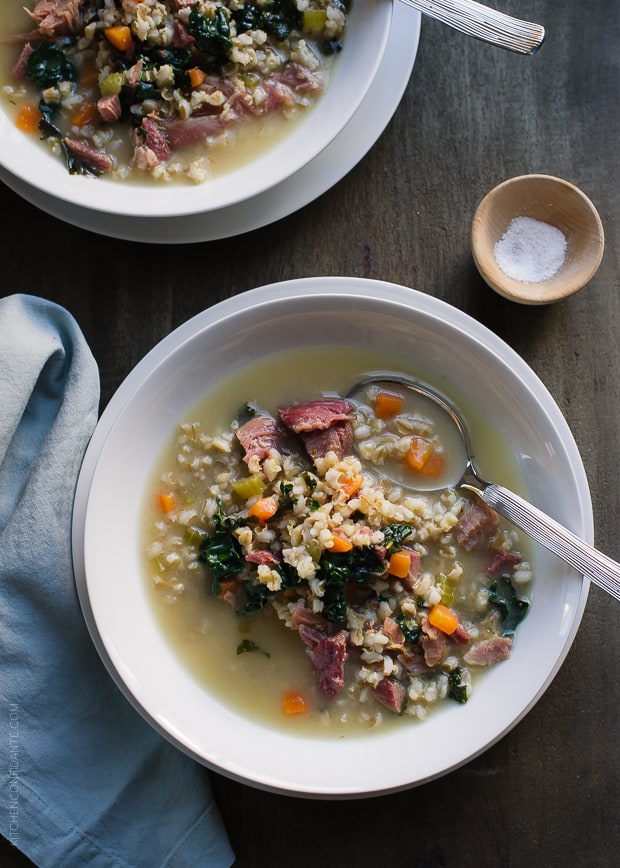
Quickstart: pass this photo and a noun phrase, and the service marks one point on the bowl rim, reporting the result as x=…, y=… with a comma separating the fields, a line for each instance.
x=151, y=199
x=313, y=289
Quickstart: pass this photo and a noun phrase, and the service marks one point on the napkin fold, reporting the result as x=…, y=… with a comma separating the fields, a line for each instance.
x=86, y=781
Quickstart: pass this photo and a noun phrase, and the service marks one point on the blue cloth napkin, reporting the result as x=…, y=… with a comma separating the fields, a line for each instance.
x=85, y=781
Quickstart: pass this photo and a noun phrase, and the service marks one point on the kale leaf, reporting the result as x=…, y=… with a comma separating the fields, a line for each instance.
x=257, y=596
x=47, y=65
x=247, y=645
x=49, y=130
x=457, y=689
x=211, y=35
x=410, y=628
x=221, y=551
x=394, y=535
x=512, y=608
x=277, y=18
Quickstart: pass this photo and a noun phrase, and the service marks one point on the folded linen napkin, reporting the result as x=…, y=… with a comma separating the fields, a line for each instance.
x=85, y=780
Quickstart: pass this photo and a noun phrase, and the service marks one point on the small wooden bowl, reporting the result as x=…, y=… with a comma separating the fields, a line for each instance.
x=549, y=200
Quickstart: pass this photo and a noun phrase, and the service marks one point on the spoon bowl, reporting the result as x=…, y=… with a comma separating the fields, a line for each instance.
x=601, y=569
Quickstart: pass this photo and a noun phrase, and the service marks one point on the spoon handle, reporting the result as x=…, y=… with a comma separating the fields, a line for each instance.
x=481, y=22
x=587, y=560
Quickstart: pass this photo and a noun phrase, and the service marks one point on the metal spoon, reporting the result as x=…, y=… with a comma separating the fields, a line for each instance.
x=587, y=560
x=483, y=23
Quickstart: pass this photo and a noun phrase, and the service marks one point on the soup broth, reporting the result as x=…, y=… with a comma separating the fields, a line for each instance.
x=154, y=90
x=256, y=662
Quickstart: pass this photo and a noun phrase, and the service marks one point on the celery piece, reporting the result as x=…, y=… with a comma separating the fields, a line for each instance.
x=250, y=486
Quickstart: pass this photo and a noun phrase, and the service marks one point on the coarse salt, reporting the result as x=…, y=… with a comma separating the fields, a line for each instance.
x=530, y=250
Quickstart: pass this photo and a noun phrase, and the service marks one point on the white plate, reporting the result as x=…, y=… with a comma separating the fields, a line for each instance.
x=139, y=420
x=308, y=184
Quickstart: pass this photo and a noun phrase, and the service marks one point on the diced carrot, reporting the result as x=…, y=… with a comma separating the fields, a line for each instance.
x=293, y=703
x=196, y=76
x=399, y=564
x=443, y=619
x=351, y=484
x=167, y=501
x=28, y=118
x=85, y=114
x=387, y=404
x=264, y=508
x=120, y=37
x=340, y=544
x=88, y=74
x=227, y=586
x=435, y=465
x=418, y=453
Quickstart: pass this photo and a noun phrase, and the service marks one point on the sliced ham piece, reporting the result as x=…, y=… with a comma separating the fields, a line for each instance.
x=109, y=107
x=328, y=655
x=21, y=66
x=323, y=425
x=390, y=693
x=501, y=561
x=263, y=557
x=194, y=130
x=57, y=17
x=338, y=438
x=316, y=415
x=415, y=568
x=476, y=524
x=489, y=651
x=434, y=644
x=259, y=436
x=98, y=160
x=155, y=139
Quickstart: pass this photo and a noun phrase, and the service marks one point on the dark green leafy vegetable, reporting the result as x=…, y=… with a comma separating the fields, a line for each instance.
x=363, y=566
x=512, y=608
x=277, y=18
x=394, y=535
x=247, y=646
x=47, y=65
x=410, y=628
x=257, y=596
x=221, y=551
x=211, y=35
x=457, y=690
x=49, y=130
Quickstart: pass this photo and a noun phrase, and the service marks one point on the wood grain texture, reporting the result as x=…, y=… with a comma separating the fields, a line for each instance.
x=547, y=794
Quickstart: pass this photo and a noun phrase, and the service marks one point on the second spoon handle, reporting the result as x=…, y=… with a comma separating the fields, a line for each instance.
x=481, y=22
x=587, y=560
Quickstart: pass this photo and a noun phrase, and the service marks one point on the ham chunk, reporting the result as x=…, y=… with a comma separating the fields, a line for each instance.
x=57, y=17
x=390, y=693
x=324, y=426
x=259, y=436
x=476, y=524
x=316, y=415
x=328, y=657
x=489, y=651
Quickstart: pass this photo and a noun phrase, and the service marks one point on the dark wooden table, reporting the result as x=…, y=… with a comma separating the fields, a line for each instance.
x=548, y=793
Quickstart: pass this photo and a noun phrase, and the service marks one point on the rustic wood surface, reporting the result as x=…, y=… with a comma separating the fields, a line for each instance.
x=548, y=793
